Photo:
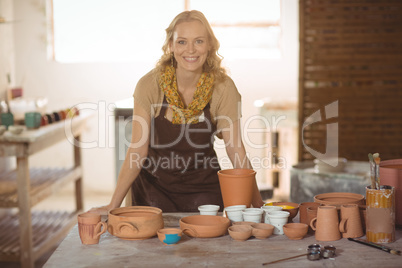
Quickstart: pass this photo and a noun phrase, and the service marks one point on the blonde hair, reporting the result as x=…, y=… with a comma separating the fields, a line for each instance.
x=212, y=64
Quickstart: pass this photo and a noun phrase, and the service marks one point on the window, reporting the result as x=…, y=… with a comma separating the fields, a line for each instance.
x=130, y=30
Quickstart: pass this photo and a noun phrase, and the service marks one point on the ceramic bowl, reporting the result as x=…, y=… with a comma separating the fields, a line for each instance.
x=204, y=225
x=243, y=223
x=262, y=230
x=339, y=198
x=169, y=236
x=16, y=129
x=209, y=209
x=135, y=222
x=295, y=231
x=240, y=232
x=286, y=207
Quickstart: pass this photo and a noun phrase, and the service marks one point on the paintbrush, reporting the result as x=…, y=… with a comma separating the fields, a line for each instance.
x=372, y=171
x=377, y=246
x=377, y=161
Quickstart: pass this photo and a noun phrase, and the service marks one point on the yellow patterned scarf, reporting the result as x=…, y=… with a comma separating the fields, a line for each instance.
x=202, y=96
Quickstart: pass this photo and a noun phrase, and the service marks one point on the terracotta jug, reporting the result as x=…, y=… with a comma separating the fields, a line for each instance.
x=303, y=211
x=237, y=186
x=326, y=224
x=391, y=174
x=311, y=214
x=90, y=227
x=351, y=224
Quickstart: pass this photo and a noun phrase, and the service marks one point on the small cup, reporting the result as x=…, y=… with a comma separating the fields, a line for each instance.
x=235, y=213
x=328, y=252
x=278, y=219
x=90, y=227
x=267, y=209
x=169, y=236
x=33, y=120
x=209, y=209
x=252, y=214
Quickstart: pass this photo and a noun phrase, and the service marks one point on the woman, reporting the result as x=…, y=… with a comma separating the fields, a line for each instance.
x=178, y=109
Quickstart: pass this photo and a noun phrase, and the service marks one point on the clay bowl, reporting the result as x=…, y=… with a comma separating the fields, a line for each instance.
x=339, y=198
x=204, y=225
x=169, y=236
x=243, y=223
x=240, y=232
x=135, y=222
x=262, y=230
x=293, y=211
x=295, y=231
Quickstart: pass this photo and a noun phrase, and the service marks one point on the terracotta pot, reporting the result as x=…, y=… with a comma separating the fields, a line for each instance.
x=351, y=224
x=135, y=222
x=303, y=211
x=262, y=230
x=339, y=198
x=293, y=211
x=237, y=186
x=295, y=231
x=204, y=225
x=240, y=232
x=391, y=174
x=326, y=225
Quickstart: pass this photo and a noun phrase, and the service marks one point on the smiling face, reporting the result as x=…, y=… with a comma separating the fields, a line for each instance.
x=190, y=46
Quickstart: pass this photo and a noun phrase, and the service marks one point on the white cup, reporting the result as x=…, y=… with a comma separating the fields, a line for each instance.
x=278, y=219
x=234, y=213
x=252, y=214
x=209, y=209
x=267, y=209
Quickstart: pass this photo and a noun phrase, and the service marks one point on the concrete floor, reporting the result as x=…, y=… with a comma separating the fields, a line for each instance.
x=64, y=201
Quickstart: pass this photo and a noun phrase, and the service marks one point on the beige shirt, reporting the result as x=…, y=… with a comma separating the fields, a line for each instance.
x=225, y=104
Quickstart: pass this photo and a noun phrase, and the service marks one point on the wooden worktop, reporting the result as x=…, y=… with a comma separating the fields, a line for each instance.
x=214, y=252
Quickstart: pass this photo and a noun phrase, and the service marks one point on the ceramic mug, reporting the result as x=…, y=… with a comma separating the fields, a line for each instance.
x=90, y=227
x=278, y=219
x=351, y=224
x=326, y=224
x=303, y=211
x=311, y=214
x=33, y=120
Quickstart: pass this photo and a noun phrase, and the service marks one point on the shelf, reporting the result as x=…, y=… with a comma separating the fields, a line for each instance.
x=48, y=228
x=43, y=183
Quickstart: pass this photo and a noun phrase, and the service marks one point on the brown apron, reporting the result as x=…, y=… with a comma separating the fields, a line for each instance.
x=180, y=173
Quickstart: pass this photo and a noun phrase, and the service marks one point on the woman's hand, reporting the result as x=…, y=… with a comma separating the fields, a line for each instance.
x=104, y=210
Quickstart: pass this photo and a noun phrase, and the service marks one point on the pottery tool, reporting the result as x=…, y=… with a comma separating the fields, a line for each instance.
x=285, y=259
x=377, y=246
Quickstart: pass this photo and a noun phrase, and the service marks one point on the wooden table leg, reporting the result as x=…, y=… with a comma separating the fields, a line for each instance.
x=24, y=204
